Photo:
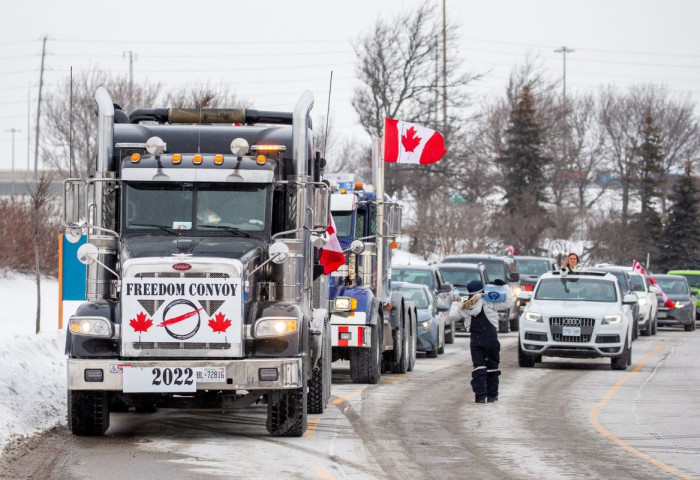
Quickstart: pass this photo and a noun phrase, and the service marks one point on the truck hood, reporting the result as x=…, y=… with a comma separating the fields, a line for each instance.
x=210, y=246
x=548, y=308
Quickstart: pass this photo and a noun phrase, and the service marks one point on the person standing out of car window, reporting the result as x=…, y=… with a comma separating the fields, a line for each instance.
x=571, y=265
x=481, y=320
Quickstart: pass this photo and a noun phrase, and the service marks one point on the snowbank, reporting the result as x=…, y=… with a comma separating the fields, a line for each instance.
x=33, y=372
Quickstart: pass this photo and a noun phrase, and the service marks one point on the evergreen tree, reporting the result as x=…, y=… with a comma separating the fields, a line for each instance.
x=523, y=165
x=680, y=243
x=651, y=162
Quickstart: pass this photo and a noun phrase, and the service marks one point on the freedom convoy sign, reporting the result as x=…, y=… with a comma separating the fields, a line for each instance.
x=202, y=310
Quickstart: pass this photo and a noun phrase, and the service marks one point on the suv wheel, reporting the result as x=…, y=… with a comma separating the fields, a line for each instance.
x=524, y=360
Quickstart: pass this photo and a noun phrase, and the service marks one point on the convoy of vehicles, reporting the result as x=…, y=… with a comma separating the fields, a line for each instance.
x=431, y=317
x=582, y=315
x=459, y=275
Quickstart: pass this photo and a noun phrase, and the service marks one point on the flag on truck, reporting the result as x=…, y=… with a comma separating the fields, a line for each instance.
x=637, y=267
x=411, y=143
x=332, y=256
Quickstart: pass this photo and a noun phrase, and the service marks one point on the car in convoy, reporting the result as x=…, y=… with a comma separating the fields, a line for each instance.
x=430, y=276
x=459, y=275
x=497, y=267
x=623, y=277
x=531, y=268
x=648, y=305
x=431, y=317
x=693, y=277
x=581, y=315
x=678, y=291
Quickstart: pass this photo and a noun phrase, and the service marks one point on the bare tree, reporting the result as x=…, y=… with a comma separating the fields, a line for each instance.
x=70, y=146
x=204, y=96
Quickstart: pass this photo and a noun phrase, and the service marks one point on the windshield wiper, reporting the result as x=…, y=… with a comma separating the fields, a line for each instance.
x=162, y=227
x=234, y=230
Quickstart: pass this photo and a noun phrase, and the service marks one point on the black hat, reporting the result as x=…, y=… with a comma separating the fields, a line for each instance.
x=474, y=286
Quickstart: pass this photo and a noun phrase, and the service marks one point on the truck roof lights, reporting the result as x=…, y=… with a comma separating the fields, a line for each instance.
x=135, y=157
x=240, y=147
x=218, y=159
x=358, y=186
x=177, y=158
x=197, y=159
x=261, y=159
x=268, y=148
x=155, y=145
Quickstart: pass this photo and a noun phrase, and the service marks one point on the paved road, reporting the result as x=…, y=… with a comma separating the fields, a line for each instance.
x=561, y=419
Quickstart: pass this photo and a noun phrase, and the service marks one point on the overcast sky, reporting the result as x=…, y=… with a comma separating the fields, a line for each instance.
x=270, y=51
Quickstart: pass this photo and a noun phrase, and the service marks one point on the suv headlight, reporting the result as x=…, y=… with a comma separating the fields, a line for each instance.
x=533, y=317
x=642, y=301
x=91, y=326
x=426, y=324
x=275, y=326
x=611, y=319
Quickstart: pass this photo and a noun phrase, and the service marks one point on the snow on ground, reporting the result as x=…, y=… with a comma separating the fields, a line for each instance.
x=33, y=367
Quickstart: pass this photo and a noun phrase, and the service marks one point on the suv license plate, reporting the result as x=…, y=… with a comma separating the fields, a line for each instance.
x=571, y=331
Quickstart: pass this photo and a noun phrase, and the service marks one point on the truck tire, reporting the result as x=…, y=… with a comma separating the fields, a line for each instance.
x=286, y=412
x=366, y=363
x=319, y=386
x=88, y=413
x=401, y=346
x=621, y=361
x=524, y=360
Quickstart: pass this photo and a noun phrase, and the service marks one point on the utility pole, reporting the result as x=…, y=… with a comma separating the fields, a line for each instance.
x=132, y=57
x=38, y=108
x=29, y=126
x=13, y=131
x=564, y=51
x=444, y=68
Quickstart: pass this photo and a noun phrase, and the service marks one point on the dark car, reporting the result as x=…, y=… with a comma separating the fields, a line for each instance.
x=459, y=275
x=497, y=267
x=531, y=268
x=678, y=291
x=623, y=278
x=430, y=276
x=431, y=324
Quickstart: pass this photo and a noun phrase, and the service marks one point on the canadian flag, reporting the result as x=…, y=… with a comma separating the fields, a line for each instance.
x=637, y=267
x=332, y=256
x=511, y=250
x=410, y=143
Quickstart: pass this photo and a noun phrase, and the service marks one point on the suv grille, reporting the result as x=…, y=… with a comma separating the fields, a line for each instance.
x=557, y=324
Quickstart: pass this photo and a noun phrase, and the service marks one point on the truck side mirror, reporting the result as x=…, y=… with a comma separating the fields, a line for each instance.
x=87, y=254
x=321, y=206
x=74, y=193
x=357, y=247
x=279, y=252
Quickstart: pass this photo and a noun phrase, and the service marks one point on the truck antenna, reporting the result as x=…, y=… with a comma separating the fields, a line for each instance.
x=328, y=113
x=70, y=128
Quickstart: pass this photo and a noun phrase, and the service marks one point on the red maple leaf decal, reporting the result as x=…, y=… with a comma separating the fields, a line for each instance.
x=410, y=141
x=220, y=323
x=141, y=323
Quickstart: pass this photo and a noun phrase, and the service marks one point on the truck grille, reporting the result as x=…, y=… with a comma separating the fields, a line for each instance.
x=209, y=305
x=180, y=346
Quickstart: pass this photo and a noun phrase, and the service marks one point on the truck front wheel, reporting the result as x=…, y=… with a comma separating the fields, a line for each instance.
x=366, y=363
x=88, y=412
x=286, y=412
x=320, y=384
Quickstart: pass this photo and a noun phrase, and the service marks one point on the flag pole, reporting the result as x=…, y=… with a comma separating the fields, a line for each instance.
x=378, y=180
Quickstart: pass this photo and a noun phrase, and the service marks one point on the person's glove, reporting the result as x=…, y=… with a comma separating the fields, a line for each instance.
x=499, y=282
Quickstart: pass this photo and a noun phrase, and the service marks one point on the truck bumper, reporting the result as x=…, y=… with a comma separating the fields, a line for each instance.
x=351, y=335
x=240, y=374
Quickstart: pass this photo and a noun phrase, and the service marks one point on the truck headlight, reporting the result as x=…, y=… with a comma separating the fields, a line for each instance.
x=611, y=319
x=91, y=326
x=533, y=317
x=344, y=304
x=275, y=326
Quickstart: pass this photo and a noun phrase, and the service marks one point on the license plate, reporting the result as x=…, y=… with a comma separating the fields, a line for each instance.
x=571, y=331
x=661, y=314
x=169, y=379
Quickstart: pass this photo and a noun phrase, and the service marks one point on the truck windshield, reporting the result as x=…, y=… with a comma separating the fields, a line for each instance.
x=206, y=207
x=343, y=223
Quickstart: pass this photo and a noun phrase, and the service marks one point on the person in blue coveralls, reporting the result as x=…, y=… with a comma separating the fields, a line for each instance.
x=481, y=320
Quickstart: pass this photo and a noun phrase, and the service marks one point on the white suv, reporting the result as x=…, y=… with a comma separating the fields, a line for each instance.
x=648, y=304
x=581, y=315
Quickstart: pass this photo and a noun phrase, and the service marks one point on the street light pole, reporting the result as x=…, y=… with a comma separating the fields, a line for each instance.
x=564, y=51
x=13, y=131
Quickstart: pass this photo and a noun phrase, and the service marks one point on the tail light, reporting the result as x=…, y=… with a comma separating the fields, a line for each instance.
x=529, y=287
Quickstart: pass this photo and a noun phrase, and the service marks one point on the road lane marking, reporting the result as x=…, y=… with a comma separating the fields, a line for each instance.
x=324, y=474
x=310, y=432
x=444, y=365
x=345, y=398
x=606, y=433
x=392, y=379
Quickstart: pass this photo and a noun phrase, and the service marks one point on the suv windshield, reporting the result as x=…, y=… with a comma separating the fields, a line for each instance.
x=423, y=277
x=460, y=278
x=533, y=267
x=417, y=295
x=576, y=289
x=210, y=207
x=672, y=285
x=637, y=283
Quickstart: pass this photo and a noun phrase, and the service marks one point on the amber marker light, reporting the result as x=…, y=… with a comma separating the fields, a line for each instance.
x=358, y=186
x=261, y=159
x=197, y=159
x=393, y=244
x=388, y=307
x=135, y=157
x=177, y=158
x=218, y=159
